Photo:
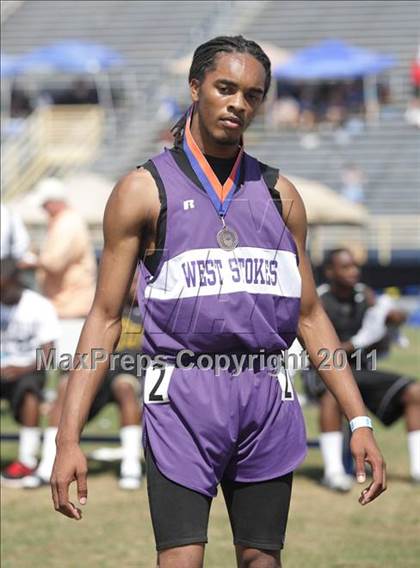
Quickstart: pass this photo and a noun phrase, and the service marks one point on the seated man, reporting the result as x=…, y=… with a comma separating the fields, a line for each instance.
x=360, y=322
x=121, y=386
x=28, y=323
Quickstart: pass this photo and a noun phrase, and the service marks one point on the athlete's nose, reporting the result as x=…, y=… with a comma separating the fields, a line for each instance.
x=237, y=104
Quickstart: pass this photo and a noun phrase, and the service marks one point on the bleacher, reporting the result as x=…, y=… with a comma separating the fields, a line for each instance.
x=389, y=151
x=150, y=34
x=382, y=25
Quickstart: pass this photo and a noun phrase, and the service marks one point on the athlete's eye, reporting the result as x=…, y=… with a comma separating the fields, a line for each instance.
x=253, y=97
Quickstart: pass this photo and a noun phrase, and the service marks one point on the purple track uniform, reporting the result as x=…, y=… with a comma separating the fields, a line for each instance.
x=201, y=426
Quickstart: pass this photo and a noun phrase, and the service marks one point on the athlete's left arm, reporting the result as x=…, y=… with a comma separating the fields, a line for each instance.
x=320, y=339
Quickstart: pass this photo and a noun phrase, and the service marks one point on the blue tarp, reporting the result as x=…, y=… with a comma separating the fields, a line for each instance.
x=69, y=56
x=332, y=59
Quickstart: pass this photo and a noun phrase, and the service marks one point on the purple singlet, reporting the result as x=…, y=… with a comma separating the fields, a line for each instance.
x=201, y=426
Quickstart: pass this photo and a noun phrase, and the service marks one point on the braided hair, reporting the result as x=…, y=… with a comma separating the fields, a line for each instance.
x=204, y=60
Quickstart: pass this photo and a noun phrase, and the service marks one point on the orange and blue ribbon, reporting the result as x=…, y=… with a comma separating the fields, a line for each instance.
x=220, y=195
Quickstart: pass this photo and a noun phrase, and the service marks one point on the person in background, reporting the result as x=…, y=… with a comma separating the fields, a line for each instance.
x=122, y=386
x=412, y=114
x=361, y=323
x=353, y=180
x=14, y=236
x=415, y=75
x=66, y=266
x=20, y=103
x=28, y=323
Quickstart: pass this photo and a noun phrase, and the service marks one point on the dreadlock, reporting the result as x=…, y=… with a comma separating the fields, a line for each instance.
x=204, y=59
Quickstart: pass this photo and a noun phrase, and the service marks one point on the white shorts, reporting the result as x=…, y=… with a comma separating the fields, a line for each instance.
x=70, y=330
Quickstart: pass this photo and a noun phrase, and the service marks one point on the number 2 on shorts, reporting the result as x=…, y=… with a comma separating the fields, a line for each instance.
x=287, y=392
x=156, y=383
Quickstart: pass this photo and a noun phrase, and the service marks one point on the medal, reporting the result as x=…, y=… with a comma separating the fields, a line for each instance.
x=227, y=239
x=220, y=195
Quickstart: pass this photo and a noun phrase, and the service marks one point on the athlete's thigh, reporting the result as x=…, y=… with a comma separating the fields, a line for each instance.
x=258, y=511
x=179, y=515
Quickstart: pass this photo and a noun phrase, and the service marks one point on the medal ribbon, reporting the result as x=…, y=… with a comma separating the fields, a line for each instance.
x=220, y=195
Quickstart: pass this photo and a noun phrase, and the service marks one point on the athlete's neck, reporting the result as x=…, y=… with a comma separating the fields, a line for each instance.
x=208, y=145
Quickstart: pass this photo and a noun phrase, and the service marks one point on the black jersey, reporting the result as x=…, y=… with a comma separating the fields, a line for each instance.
x=345, y=315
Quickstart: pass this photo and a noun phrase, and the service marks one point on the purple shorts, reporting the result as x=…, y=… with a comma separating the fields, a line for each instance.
x=202, y=426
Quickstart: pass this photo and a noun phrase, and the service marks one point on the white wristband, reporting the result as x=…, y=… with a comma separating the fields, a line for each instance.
x=360, y=422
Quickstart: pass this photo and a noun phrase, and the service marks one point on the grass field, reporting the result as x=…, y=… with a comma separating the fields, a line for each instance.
x=325, y=530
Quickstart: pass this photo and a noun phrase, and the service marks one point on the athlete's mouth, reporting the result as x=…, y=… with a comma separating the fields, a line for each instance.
x=232, y=121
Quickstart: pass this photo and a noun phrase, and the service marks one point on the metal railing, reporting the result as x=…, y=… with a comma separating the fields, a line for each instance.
x=384, y=234
x=53, y=140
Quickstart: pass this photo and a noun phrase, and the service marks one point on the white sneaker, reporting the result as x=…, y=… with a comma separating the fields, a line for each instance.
x=415, y=479
x=34, y=482
x=130, y=474
x=129, y=483
x=106, y=454
x=341, y=482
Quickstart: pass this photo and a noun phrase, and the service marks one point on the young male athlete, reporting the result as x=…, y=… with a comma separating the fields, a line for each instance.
x=222, y=275
x=390, y=396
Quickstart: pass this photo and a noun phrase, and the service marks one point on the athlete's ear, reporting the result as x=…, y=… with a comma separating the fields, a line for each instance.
x=195, y=90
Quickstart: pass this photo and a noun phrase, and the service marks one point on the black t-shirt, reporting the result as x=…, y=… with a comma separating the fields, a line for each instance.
x=345, y=315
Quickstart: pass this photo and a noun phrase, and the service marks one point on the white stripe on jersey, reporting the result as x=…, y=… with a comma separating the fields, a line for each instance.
x=208, y=272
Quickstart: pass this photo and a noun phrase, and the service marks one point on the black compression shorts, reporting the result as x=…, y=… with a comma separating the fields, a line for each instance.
x=257, y=511
x=381, y=391
x=15, y=391
x=105, y=393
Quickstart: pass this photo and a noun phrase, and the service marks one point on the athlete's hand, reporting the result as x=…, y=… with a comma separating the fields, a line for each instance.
x=364, y=449
x=70, y=465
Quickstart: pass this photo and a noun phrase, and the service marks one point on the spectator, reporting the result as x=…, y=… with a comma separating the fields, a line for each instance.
x=353, y=180
x=81, y=92
x=285, y=113
x=28, y=322
x=415, y=75
x=361, y=321
x=14, y=237
x=20, y=103
x=66, y=264
x=412, y=114
x=121, y=385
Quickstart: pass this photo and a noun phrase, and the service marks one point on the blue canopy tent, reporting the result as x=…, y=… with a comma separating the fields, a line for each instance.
x=335, y=60
x=9, y=65
x=72, y=56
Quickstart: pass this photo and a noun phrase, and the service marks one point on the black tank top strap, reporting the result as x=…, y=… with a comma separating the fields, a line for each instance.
x=270, y=176
x=152, y=261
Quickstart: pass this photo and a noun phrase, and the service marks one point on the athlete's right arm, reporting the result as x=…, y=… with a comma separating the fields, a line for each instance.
x=127, y=221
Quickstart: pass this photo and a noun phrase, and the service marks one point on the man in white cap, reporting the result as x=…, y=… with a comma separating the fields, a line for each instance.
x=66, y=264
x=66, y=268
